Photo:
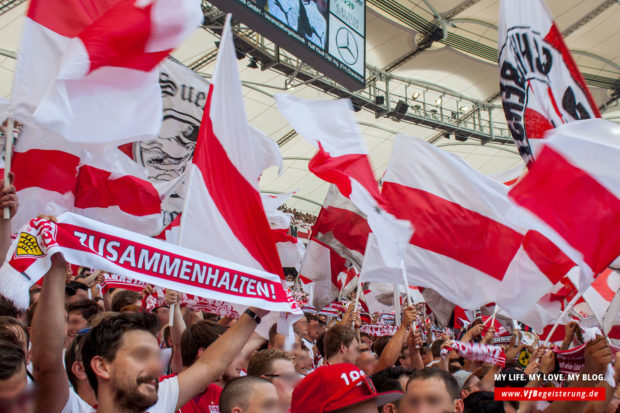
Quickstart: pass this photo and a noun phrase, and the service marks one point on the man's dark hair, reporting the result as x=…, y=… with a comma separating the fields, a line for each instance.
x=335, y=337
x=389, y=379
x=427, y=373
x=312, y=317
x=198, y=335
x=124, y=298
x=72, y=286
x=319, y=345
x=8, y=327
x=13, y=358
x=482, y=402
x=8, y=308
x=436, y=347
x=105, y=339
x=86, y=308
x=237, y=393
x=73, y=354
x=380, y=344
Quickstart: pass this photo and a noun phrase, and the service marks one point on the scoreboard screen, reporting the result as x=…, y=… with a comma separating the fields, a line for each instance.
x=329, y=35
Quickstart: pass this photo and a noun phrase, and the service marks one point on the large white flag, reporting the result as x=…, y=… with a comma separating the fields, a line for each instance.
x=87, y=70
x=342, y=159
x=223, y=213
x=467, y=245
x=541, y=86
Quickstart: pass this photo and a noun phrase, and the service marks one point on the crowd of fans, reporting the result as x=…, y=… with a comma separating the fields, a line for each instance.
x=78, y=350
x=302, y=220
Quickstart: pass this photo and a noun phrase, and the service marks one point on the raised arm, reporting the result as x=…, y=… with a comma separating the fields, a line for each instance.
x=176, y=331
x=8, y=199
x=393, y=348
x=47, y=340
x=216, y=358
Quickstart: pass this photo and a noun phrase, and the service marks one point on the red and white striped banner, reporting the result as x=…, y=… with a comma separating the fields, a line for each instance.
x=477, y=352
x=379, y=330
x=86, y=242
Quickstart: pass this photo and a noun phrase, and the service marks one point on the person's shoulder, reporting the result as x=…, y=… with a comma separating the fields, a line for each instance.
x=75, y=404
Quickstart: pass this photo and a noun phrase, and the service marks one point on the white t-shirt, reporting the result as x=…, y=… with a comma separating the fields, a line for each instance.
x=167, y=398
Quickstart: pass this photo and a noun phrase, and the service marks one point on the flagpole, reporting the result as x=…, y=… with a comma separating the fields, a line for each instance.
x=566, y=310
x=403, y=271
x=396, y=304
x=7, y=160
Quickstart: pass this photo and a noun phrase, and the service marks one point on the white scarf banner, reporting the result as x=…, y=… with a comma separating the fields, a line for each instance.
x=90, y=243
x=477, y=352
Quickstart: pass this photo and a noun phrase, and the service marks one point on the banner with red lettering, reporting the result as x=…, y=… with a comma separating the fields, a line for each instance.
x=91, y=243
x=477, y=352
x=379, y=330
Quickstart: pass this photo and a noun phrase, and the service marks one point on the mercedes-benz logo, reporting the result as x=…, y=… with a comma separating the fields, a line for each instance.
x=347, y=46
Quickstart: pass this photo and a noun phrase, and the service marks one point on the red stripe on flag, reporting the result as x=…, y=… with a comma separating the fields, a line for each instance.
x=45, y=169
x=349, y=228
x=132, y=195
x=235, y=198
x=282, y=235
x=119, y=39
x=573, y=203
x=547, y=256
x=68, y=17
x=341, y=169
x=554, y=38
x=448, y=229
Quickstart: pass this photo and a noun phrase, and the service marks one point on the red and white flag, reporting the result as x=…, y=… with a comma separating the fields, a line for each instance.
x=53, y=176
x=574, y=187
x=467, y=244
x=342, y=159
x=223, y=213
x=100, y=82
x=339, y=236
x=290, y=249
x=603, y=298
x=541, y=86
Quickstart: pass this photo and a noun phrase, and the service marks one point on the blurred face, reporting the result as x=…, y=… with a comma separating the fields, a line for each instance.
x=367, y=362
x=471, y=385
x=303, y=363
x=301, y=327
x=15, y=396
x=133, y=375
x=315, y=329
x=76, y=323
x=264, y=399
x=427, y=357
x=351, y=353
x=429, y=396
x=284, y=377
x=163, y=316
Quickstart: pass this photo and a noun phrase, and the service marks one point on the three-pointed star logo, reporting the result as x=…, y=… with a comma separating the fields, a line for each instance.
x=347, y=46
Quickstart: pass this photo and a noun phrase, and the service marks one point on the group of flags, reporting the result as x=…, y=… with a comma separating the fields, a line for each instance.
x=434, y=222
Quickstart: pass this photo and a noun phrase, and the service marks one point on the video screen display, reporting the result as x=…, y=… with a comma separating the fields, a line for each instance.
x=328, y=35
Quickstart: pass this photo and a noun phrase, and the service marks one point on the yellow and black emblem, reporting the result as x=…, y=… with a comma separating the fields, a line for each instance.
x=28, y=246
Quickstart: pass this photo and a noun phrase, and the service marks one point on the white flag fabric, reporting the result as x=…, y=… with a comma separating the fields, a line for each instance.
x=578, y=170
x=603, y=298
x=467, y=244
x=343, y=160
x=338, y=240
x=53, y=176
x=541, y=86
x=223, y=213
x=100, y=82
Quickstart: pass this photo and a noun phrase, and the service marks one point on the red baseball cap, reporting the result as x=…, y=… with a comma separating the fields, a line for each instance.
x=334, y=387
